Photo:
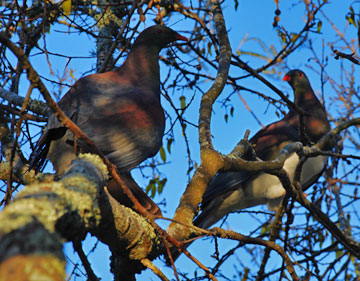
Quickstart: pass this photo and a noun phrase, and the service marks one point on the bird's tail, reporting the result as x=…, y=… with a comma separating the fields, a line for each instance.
x=117, y=192
x=38, y=156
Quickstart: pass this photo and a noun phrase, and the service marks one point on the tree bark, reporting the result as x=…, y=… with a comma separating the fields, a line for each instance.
x=45, y=215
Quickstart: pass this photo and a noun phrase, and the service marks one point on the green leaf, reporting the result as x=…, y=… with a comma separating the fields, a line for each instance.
x=338, y=254
x=351, y=17
x=232, y=111
x=151, y=187
x=282, y=35
x=72, y=74
x=209, y=47
x=66, y=5
x=357, y=267
x=263, y=230
x=148, y=187
x=294, y=37
x=246, y=274
x=153, y=191
x=351, y=20
x=319, y=25
x=169, y=143
x=182, y=102
x=161, y=185
x=226, y=116
x=162, y=154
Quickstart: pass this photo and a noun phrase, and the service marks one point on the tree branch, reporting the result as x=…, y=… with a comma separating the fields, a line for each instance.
x=218, y=232
x=349, y=57
x=211, y=160
x=68, y=210
x=31, y=237
x=35, y=106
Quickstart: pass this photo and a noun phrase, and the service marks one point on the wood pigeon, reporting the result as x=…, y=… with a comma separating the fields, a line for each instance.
x=234, y=191
x=119, y=110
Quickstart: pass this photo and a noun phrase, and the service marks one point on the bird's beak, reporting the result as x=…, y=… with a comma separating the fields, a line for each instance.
x=180, y=37
x=286, y=78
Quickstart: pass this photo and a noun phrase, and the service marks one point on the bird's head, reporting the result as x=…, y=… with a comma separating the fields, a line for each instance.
x=159, y=36
x=297, y=79
x=300, y=84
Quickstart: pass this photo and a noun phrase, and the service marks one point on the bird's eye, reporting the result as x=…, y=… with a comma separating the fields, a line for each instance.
x=300, y=75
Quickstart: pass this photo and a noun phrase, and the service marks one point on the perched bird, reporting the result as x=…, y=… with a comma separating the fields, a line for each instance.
x=119, y=110
x=234, y=191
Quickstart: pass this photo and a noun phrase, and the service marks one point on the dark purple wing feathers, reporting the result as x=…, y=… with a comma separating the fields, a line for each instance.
x=119, y=110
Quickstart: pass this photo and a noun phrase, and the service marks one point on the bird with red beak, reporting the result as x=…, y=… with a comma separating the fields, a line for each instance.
x=119, y=110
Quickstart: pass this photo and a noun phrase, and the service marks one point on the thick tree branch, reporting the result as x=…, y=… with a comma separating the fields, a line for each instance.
x=210, y=160
x=218, y=85
x=35, y=106
x=32, y=225
x=67, y=210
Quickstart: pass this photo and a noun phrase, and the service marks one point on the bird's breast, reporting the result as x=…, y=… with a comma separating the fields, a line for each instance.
x=312, y=169
x=290, y=165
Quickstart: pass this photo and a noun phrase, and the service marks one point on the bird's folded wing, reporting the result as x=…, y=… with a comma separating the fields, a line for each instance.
x=269, y=141
x=224, y=183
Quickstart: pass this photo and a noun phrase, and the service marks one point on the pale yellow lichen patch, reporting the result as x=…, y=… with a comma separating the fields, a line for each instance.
x=179, y=231
x=82, y=194
x=4, y=170
x=43, y=178
x=32, y=201
x=106, y=18
x=211, y=162
x=79, y=183
x=4, y=131
x=28, y=176
x=49, y=201
x=96, y=160
x=32, y=268
x=133, y=228
x=145, y=225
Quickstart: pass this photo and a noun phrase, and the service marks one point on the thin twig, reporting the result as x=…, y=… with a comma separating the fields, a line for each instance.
x=156, y=270
x=247, y=239
x=85, y=262
x=349, y=57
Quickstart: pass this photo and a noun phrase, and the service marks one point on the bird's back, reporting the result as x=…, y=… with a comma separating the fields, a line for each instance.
x=126, y=122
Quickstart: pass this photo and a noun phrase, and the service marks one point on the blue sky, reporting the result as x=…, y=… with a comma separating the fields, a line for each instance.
x=252, y=19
